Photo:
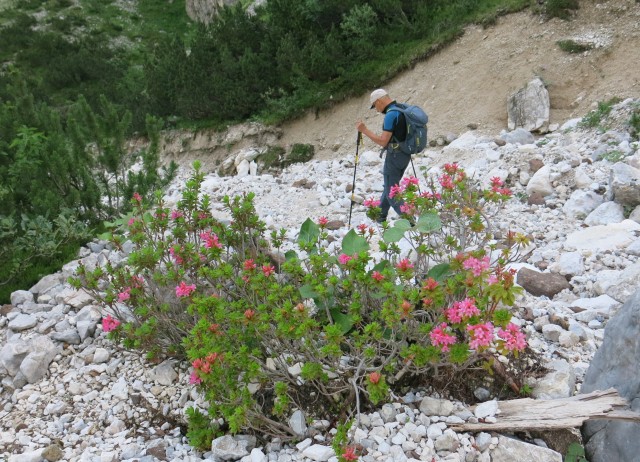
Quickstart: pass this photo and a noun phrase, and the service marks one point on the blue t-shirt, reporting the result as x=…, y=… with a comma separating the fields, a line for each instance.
x=395, y=123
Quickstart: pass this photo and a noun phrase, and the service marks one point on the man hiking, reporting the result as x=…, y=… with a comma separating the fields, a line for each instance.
x=394, y=131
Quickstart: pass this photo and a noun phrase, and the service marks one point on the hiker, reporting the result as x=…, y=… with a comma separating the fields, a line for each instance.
x=394, y=130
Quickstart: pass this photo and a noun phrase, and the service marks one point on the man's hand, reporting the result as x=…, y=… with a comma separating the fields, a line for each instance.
x=360, y=126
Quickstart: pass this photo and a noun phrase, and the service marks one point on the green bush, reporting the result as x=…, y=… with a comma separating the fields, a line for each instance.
x=246, y=313
x=299, y=153
x=594, y=118
x=31, y=248
x=571, y=46
x=560, y=8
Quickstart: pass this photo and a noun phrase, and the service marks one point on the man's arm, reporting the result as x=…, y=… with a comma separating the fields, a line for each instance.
x=382, y=139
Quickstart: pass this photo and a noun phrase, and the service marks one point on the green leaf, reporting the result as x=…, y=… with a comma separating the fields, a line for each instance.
x=291, y=255
x=429, y=222
x=402, y=224
x=309, y=232
x=306, y=291
x=105, y=236
x=439, y=272
x=381, y=266
x=353, y=244
x=344, y=321
x=393, y=235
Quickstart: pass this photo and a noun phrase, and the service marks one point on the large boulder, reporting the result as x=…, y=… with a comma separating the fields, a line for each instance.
x=204, y=11
x=537, y=283
x=615, y=364
x=625, y=184
x=528, y=108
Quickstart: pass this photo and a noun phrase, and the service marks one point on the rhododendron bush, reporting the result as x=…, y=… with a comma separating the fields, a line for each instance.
x=269, y=328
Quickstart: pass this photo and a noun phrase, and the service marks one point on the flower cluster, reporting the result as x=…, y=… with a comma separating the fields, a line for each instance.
x=204, y=366
x=184, y=290
x=211, y=240
x=109, y=323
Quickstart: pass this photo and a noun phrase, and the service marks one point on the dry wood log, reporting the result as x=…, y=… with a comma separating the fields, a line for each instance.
x=531, y=414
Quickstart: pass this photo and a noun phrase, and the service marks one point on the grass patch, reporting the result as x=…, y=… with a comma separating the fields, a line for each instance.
x=571, y=46
x=561, y=9
x=594, y=118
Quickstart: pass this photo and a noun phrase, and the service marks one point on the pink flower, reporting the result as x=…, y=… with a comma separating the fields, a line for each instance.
x=477, y=266
x=481, y=335
x=109, y=323
x=395, y=190
x=322, y=221
x=430, y=284
x=464, y=309
x=451, y=168
x=467, y=307
x=175, y=214
x=137, y=197
x=249, y=315
x=446, y=181
x=268, y=270
x=184, y=290
x=371, y=202
x=440, y=338
x=452, y=315
x=409, y=180
x=194, y=379
x=132, y=221
x=513, y=338
x=350, y=453
x=179, y=260
x=503, y=191
x=124, y=295
x=377, y=276
x=496, y=182
x=344, y=258
x=431, y=195
x=375, y=377
x=492, y=279
x=249, y=265
x=362, y=228
x=404, y=265
x=210, y=240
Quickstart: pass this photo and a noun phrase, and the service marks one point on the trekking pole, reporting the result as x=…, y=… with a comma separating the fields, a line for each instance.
x=416, y=175
x=353, y=186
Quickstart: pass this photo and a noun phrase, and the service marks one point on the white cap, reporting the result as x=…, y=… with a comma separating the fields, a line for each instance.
x=376, y=95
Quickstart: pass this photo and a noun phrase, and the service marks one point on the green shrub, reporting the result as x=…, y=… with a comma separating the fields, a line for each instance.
x=560, y=8
x=571, y=46
x=299, y=153
x=272, y=158
x=575, y=453
x=246, y=315
x=31, y=248
x=594, y=118
x=613, y=156
x=201, y=429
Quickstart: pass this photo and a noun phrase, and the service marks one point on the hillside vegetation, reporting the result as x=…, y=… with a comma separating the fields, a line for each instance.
x=79, y=78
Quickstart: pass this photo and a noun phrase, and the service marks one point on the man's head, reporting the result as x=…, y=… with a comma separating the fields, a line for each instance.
x=379, y=97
